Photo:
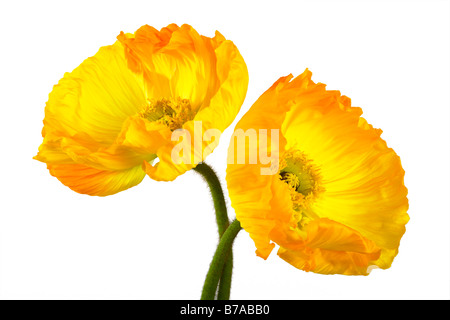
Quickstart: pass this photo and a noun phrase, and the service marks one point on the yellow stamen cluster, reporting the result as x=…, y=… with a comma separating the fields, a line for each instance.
x=304, y=180
x=291, y=179
x=173, y=113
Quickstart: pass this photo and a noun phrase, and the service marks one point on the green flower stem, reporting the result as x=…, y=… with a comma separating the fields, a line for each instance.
x=222, y=223
x=225, y=280
x=218, y=261
x=217, y=194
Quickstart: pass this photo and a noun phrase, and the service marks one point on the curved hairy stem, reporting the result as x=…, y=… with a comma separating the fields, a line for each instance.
x=220, y=207
x=220, y=257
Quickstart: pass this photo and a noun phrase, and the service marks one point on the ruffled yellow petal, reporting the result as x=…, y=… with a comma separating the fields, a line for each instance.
x=86, y=111
x=142, y=136
x=250, y=192
x=338, y=203
x=177, y=62
x=95, y=98
x=331, y=248
x=91, y=181
x=213, y=117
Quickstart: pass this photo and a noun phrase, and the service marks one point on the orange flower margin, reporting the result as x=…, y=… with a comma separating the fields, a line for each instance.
x=111, y=119
x=337, y=203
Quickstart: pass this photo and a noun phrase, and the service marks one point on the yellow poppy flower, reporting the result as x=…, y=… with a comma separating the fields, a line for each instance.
x=335, y=201
x=110, y=121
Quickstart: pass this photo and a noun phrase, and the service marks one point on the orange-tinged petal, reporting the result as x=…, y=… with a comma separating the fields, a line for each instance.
x=250, y=192
x=331, y=247
x=212, y=117
x=176, y=62
x=88, y=180
x=143, y=136
x=233, y=77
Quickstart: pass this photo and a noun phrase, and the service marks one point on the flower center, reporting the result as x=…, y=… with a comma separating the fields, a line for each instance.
x=304, y=180
x=173, y=113
x=291, y=179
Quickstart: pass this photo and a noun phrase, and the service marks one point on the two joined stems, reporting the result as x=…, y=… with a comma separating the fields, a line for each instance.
x=221, y=267
x=217, y=268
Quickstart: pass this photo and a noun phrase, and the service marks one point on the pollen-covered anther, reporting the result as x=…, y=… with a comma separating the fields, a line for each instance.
x=291, y=179
x=302, y=177
x=173, y=113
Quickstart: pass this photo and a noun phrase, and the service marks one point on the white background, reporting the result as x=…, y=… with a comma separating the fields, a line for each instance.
x=155, y=241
